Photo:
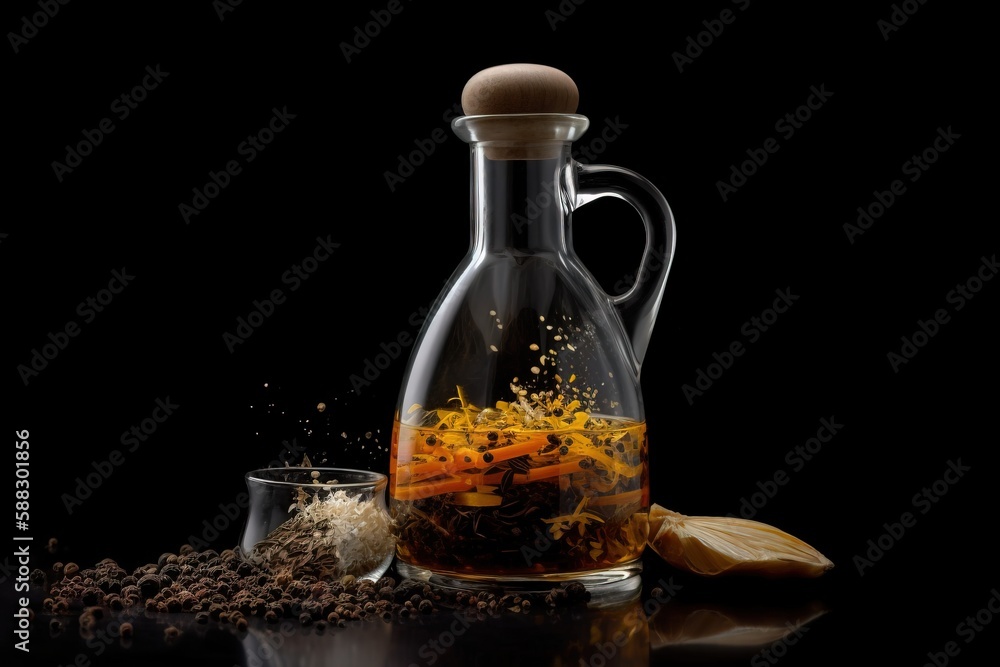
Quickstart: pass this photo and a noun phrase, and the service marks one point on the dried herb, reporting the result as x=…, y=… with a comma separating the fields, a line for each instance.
x=328, y=536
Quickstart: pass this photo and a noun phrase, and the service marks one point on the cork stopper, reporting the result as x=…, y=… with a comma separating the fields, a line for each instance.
x=520, y=111
x=520, y=88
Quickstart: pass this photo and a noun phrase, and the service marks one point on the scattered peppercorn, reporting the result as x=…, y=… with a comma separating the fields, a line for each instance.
x=223, y=588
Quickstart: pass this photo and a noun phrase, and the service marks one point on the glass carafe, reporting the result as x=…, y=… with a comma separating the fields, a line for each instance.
x=519, y=450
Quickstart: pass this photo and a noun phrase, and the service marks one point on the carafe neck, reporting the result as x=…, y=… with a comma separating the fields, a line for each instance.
x=518, y=205
x=522, y=180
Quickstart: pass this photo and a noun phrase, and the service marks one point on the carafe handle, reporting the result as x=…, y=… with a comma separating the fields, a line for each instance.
x=637, y=306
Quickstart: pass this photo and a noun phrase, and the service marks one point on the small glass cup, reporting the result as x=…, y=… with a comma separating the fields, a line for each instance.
x=325, y=522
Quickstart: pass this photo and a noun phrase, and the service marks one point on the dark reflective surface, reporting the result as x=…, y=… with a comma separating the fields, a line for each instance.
x=676, y=620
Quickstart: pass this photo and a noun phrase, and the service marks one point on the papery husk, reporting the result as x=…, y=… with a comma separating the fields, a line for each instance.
x=713, y=546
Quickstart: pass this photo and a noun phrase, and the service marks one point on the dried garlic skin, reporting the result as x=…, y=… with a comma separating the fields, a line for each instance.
x=713, y=546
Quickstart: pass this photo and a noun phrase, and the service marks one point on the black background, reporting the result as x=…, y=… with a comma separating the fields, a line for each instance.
x=324, y=176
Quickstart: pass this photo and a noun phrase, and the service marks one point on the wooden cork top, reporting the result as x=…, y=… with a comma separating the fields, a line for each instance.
x=520, y=88
x=520, y=111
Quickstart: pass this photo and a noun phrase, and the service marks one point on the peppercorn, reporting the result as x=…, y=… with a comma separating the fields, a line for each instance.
x=149, y=585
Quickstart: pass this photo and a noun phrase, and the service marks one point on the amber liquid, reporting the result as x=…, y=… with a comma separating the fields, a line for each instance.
x=512, y=501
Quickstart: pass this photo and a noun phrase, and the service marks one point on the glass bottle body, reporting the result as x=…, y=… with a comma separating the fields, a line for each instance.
x=519, y=450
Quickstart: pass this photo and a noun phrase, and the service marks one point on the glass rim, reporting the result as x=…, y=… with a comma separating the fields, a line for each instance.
x=375, y=479
x=521, y=127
